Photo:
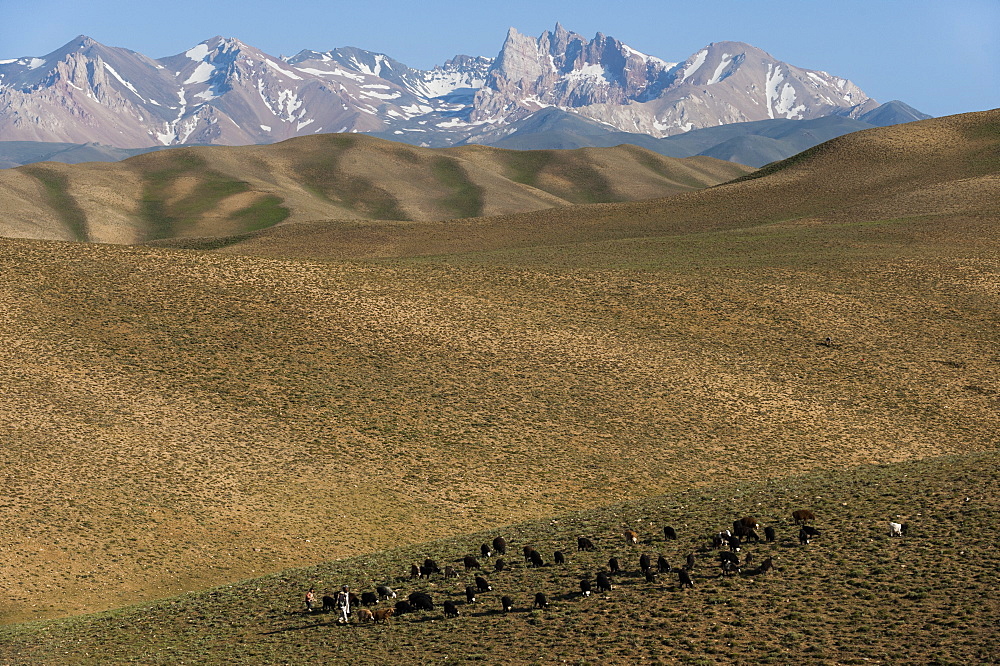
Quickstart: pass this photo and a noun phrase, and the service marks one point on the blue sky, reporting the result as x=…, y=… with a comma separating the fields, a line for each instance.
x=940, y=56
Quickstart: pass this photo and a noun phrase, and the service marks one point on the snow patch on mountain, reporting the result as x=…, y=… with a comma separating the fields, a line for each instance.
x=588, y=71
x=201, y=74
x=273, y=65
x=198, y=52
x=125, y=83
x=727, y=60
x=694, y=65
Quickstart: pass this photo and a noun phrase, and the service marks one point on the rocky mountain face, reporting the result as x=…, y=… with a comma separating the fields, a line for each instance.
x=223, y=91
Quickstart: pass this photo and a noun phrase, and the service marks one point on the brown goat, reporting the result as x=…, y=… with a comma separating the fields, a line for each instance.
x=382, y=615
x=802, y=516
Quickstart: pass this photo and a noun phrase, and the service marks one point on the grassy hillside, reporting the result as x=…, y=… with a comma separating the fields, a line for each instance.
x=174, y=420
x=939, y=174
x=222, y=191
x=851, y=596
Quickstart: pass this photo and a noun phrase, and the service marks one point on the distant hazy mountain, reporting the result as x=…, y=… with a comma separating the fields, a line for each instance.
x=752, y=143
x=223, y=91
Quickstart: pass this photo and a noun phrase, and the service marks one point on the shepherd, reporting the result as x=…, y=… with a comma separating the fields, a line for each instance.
x=344, y=604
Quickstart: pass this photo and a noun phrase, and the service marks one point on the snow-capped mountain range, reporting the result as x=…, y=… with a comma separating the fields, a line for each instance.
x=223, y=91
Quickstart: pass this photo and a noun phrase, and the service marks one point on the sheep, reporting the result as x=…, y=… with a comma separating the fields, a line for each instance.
x=365, y=615
x=450, y=609
x=769, y=534
x=507, y=604
x=766, y=565
x=650, y=574
x=470, y=594
x=603, y=583
x=897, y=529
x=806, y=533
x=631, y=538
x=669, y=534
x=644, y=562
x=385, y=592
x=729, y=562
x=585, y=587
x=449, y=572
x=485, y=551
x=583, y=543
x=431, y=566
x=470, y=563
x=500, y=545
x=499, y=565
x=369, y=598
x=421, y=601
x=540, y=601
x=483, y=585
x=810, y=530
x=662, y=565
x=689, y=561
x=726, y=556
x=614, y=566
x=684, y=579
x=559, y=557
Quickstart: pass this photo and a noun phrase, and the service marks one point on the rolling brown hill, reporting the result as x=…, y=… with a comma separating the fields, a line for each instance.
x=174, y=419
x=232, y=190
x=939, y=169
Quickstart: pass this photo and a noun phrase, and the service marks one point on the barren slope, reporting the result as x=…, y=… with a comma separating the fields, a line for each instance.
x=232, y=190
x=176, y=419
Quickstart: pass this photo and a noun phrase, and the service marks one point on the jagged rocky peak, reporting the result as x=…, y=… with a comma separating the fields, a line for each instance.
x=80, y=42
x=524, y=60
x=467, y=63
x=562, y=68
x=225, y=91
x=212, y=50
x=519, y=60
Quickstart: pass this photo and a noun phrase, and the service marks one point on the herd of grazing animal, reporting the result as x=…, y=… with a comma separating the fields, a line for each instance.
x=728, y=543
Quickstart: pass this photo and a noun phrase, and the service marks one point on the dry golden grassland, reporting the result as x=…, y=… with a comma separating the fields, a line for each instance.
x=195, y=192
x=177, y=419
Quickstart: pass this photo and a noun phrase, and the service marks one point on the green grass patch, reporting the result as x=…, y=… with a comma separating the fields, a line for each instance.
x=59, y=199
x=466, y=198
x=264, y=213
x=166, y=215
x=588, y=184
x=525, y=166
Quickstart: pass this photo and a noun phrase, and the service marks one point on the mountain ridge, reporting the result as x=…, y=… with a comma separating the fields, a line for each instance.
x=225, y=92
